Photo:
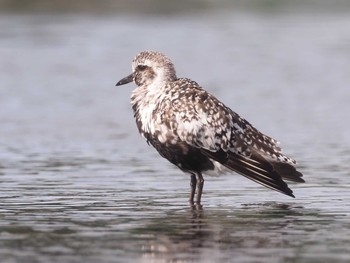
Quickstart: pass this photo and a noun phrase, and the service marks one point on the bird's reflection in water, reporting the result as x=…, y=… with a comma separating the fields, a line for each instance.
x=202, y=234
x=183, y=235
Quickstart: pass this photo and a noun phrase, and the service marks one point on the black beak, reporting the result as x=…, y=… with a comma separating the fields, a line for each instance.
x=125, y=80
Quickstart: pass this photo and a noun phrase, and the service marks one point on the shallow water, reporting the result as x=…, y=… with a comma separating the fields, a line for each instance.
x=78, y=184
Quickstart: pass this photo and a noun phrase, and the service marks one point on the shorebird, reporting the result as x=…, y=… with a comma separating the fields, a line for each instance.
x=199, y=134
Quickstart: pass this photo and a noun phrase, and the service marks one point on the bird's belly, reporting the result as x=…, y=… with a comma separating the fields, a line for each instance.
x=184, y=156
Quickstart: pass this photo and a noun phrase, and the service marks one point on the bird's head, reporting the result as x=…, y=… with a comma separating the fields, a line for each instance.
x=149, y=67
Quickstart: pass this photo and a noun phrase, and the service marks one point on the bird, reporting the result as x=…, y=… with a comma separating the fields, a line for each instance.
x=196, y=132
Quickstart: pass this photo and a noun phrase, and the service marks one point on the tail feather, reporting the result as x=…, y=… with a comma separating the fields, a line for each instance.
x=288, y=172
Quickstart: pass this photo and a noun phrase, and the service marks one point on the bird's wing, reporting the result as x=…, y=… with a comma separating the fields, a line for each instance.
x=204, y=122
x=254, y=168
x=201, y=120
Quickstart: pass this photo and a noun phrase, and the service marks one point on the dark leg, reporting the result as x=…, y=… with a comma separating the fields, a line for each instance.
x=193, y=187
x=200, y=188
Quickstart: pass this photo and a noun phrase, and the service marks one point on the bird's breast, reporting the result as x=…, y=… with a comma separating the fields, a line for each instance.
x=153, y=117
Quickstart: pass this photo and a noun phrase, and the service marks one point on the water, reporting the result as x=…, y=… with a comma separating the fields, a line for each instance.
x=78, y=184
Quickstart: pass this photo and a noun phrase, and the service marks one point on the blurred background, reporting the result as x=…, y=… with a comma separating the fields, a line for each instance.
x=79, y=183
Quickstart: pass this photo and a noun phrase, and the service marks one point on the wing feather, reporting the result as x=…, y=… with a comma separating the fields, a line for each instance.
x=254, y=168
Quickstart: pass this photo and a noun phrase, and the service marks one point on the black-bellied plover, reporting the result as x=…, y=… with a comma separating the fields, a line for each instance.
x=198, y=133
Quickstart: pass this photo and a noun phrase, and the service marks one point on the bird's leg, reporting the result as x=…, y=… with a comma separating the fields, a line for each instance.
x=200, y=188
x=193, y=187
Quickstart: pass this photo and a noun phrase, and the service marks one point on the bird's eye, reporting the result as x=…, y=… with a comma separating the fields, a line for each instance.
x=141, y=67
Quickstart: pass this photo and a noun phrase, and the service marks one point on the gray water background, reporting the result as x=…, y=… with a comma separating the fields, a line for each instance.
x=78, y=183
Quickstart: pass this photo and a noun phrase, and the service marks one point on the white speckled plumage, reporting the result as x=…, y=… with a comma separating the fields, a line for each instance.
x=198, y=133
